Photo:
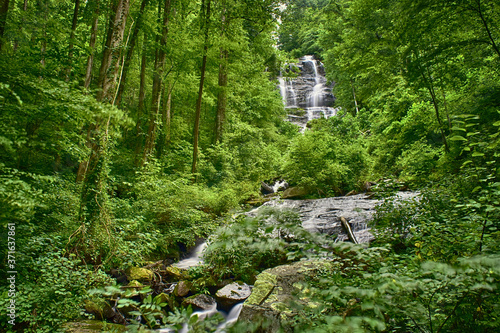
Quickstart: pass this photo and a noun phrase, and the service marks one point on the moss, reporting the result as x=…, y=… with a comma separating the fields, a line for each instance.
x=263, y=288
x=140, y=274
x=92, y=326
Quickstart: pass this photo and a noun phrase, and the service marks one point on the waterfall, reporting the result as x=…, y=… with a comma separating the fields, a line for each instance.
x=306, y=96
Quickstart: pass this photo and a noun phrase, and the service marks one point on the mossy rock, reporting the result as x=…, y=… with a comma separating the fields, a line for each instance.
x=274, y=291
x=139, y=274
x=294, y=192
x=177, y=273
x=101, y=310
x=92, y=326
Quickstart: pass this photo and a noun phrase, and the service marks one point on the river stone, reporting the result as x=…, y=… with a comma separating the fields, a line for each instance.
x=139, y=274
x=182, y=288
x=201, y=301
x=274, y=291
x=232, y=293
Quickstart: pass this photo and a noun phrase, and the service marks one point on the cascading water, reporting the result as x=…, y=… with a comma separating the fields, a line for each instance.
x=307, y=95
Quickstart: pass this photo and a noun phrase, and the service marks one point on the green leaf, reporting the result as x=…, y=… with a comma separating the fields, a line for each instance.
x=458, y=138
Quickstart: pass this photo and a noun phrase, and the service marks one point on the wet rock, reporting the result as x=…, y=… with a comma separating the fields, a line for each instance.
x=323, y=215
x=232, y=293
x=139, y=274
x=275, y=290
x=200, y=301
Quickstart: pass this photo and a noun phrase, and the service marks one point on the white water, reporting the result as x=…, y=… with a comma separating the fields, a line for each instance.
x=194, y=259
x=308, y=91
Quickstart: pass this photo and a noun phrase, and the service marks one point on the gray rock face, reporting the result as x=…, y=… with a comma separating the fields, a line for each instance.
x=232, y=293
x=323, y=215
x=201, y=301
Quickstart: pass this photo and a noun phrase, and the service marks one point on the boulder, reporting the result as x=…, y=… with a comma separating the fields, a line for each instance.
x=294, y=192
x=176, y=273
x=232, y=293
x=139, y=274
x=200, y=301
x=182, y=288
x=275, y=290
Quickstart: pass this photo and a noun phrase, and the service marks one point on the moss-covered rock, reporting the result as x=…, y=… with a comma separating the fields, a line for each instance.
x=92, y=326
x=139, y=274
x=101, y=310
x=176, y=273
x=274, y=291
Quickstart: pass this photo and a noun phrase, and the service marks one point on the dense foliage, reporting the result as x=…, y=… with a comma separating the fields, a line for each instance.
x=130, y=129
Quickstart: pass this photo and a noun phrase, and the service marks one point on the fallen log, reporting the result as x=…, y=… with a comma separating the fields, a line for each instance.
x=348, y=230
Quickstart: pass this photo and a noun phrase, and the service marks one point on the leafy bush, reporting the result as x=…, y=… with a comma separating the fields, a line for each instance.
x=249, y=245
x=51, y=288
x=331, y=157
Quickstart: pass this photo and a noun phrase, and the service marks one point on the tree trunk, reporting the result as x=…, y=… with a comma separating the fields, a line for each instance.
x=348, y=230
x=157, y=86
x=4, y=9
x=130, y=52
x=71, y=39
x=93, y=36
x=165, y=117
x=140, y=108
x=222, y=94
x=109, y=70
x=196, y=131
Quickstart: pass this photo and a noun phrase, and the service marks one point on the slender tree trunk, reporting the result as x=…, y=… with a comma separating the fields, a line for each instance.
x=93, y=37
x=130, y=52
x=140, y=108
x=487, y=28
x=430, y=88
x=157, y=86
x=165, y=117
x=222, y=94
x=25, y=8
x=196, y=131
x=4, y=9
x=71, y=38
x=354, y=96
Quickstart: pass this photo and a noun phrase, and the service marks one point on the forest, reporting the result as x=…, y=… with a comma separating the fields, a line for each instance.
x=131, y=130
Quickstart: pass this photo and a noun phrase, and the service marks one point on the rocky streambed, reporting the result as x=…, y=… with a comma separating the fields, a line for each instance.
x=156, y=288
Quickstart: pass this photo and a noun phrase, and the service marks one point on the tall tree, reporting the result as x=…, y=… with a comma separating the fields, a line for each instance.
x=72, y=38
x=222, y=94
x=92, y=40
x=4, y=9
x=93, y=206
x=157, y=84
x=205, y=10
x=130, y=51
